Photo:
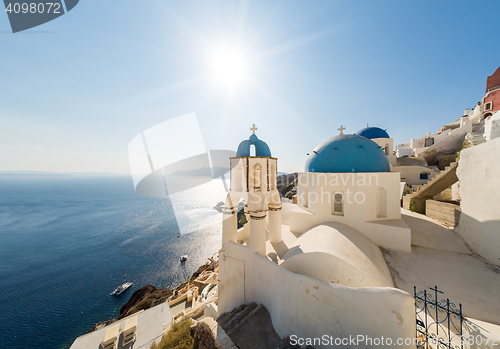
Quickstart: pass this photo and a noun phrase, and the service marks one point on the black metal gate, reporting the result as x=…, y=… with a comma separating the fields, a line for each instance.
x=439, y=322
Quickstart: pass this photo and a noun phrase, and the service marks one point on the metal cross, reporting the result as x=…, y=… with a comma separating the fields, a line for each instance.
x=341, y=129
x=253, y=129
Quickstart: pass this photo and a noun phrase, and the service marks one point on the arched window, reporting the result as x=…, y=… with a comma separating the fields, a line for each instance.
x=237, y=176
x=381, y=203
x=338, y=203
x=305, y=196
x=387, y=149
x=272, y=177
x=256, y=176
x=252, y=150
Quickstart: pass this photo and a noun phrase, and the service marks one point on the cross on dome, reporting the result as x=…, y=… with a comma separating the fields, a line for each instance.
x=253, y=129
x=341, y=129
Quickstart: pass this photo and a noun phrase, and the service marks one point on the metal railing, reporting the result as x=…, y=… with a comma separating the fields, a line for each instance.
x=439, y=322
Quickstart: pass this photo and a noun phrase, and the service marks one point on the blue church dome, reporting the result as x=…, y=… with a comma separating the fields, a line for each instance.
x=261, y=148
x=372, y=132
x=347, y=153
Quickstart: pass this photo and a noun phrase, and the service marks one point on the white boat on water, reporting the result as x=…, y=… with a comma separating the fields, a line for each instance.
x=122, y=288
x=184, y=258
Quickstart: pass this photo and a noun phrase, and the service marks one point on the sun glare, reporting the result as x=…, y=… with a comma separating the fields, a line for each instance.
x=229, y=67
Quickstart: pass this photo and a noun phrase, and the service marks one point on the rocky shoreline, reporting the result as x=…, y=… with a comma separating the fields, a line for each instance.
x=148, y=297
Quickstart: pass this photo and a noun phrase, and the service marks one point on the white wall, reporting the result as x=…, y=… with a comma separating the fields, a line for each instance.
x=478, y=171
x=455, y=191
x=387, y=145
x=360, y=205
x=302, y=306
x=411, y=174
x=418, y=144
x=492, y=127
x=486, y=335
x=403, y=149
x=474, y=114
x=450, y=142
x=149, y=328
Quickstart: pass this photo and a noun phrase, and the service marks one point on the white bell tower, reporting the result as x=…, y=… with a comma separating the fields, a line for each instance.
x=254, y=179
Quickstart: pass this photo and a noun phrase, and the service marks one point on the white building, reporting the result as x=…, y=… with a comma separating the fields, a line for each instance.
x=412, y=171
x=348, y=180
x=139, y=330
x=403, y=150
x=324, y=266
x=492, y=127
x=381, y=137
x=447, y=140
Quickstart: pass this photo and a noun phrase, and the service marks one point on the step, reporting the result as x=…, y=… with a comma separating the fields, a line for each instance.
x=235, y=313
x=227, y=317
x=244, y=319
x=223, y=317
x=239, y=317
x=255, y=331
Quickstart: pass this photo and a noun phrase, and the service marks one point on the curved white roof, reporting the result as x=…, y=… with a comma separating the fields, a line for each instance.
x=337, y=253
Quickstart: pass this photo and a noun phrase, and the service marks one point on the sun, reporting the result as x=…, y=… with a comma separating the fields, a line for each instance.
x=228, y=67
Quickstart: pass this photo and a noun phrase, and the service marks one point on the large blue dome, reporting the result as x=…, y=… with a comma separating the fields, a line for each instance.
x=261, y=148
x=347, y=153
x=372, y=132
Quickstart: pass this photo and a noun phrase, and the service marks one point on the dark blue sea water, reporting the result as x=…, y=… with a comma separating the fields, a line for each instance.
x=63, y=243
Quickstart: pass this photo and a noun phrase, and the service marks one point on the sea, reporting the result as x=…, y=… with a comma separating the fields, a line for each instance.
x=65, y=241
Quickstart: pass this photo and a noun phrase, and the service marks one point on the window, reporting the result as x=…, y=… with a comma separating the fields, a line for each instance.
x=429, y=142
x=237, y=176
x=338, y=204
x=129, y=337
x=381, y=203
x=256, y=176
x=272, y=176
x=488, y=106
x=424, y=175
x=305, y=196
x=252, y=150
x=387, y=149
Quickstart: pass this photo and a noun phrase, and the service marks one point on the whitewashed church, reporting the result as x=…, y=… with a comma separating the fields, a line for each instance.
x=317, y=266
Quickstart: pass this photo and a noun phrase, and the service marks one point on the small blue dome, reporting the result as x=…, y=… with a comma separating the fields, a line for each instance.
x=372, y=132
x=347, y=153
x=261, y=148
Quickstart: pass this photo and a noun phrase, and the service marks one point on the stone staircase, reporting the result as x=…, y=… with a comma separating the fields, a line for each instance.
x=249, y=327
x=476, y=137
x=416, y=187
x=433, y=187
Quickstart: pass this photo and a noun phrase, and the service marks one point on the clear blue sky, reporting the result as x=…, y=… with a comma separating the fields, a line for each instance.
x=75, y=91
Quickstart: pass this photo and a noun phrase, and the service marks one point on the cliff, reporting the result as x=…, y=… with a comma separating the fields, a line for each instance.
x=144, y=298
x=287, y=185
